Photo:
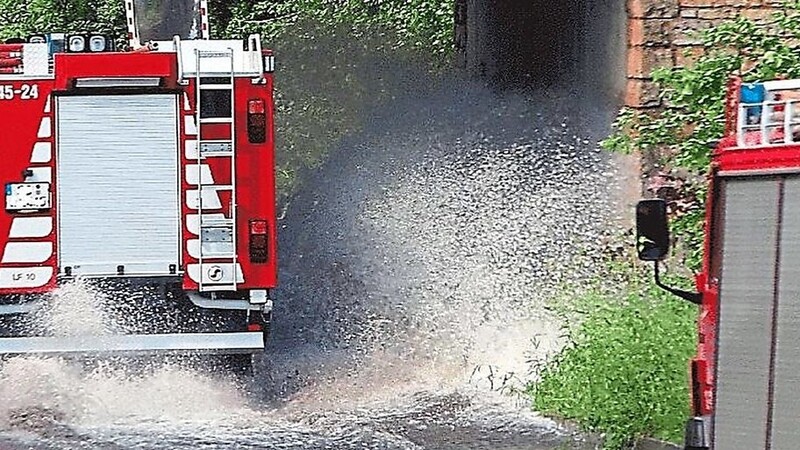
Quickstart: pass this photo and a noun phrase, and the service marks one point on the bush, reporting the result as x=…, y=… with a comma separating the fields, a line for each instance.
x=625, y=373
x=422, y=24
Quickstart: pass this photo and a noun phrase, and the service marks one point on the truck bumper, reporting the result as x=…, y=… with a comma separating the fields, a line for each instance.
x=177, y=343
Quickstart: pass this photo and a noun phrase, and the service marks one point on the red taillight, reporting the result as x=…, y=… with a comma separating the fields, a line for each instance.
x=256, y=121
x=258, y=227
x=256, y=107
x=259, y=244
x=254, y=327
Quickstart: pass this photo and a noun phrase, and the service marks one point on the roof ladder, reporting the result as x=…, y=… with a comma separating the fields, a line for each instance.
x=217, y=256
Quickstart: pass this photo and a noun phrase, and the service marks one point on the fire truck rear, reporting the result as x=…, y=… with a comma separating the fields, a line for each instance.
x=151, y=168
x=744, y=378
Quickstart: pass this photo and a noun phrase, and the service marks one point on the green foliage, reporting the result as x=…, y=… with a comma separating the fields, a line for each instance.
x=20, y=18
x=694, y=104
x=625, y=373
x=422, y=24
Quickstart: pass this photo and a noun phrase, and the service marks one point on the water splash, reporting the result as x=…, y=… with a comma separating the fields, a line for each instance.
x=427, y=253
x=36, y=391
x=75, y=309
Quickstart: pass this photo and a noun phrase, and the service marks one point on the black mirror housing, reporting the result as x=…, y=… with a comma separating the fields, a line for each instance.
x=652, y=230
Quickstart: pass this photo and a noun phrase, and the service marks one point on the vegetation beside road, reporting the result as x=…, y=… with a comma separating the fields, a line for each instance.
x=676, y=138
x=624, y=372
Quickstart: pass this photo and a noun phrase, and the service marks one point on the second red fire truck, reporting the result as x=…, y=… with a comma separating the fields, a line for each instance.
x=744, y=378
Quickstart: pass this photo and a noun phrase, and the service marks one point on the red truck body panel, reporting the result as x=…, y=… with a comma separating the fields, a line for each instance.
x=28, y=123
x=757, y=150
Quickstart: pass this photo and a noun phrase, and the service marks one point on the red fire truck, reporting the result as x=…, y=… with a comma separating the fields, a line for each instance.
x=148, y=167
x=745, y=375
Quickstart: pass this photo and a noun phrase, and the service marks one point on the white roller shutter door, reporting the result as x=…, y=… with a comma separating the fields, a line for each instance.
x=117, y=184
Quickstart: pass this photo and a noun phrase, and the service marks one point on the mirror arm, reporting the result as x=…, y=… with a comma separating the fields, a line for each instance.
x=692, y=297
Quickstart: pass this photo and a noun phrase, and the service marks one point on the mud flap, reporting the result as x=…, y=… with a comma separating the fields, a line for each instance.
x=697, y=434
x=141, y=344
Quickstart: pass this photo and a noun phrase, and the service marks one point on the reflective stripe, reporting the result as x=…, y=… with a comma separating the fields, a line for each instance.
x=193, y=221
x=210, y=249
x=42, y=152
x=190, y=149
x=45, y=128
x=190, y=125
x=39, y=175
x=210, y=199
x=31, y=227
x=130, y=17
x=206, y=177
x=27, y=252
x=205, y=32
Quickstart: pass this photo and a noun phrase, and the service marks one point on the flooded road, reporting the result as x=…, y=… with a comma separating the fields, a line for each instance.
x=419, y=265
x=423, y=421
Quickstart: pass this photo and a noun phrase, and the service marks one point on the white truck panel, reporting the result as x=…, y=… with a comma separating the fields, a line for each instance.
x=117, y=185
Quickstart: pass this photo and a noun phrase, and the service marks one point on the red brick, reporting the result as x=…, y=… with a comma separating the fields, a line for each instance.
x=649, y=31
x=721, y=3
x=687, y=31
x=696, y=3
x=689, y=13
x=641, y=94
x=635, y=8
x=647, y=9
x=643, y=60
x=759, y=14
x=727, y=12
x=686, y=56
x=635, y=32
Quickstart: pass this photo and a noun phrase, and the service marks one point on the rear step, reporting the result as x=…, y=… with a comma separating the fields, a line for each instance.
x=178, y=343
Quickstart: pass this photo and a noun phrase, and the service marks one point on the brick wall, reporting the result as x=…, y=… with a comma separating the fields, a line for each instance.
x=661, y=31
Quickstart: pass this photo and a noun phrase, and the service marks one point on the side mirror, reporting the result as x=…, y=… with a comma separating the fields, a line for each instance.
x=652, y=230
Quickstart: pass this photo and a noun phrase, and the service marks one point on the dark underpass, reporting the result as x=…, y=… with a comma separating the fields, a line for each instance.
x=565, y=43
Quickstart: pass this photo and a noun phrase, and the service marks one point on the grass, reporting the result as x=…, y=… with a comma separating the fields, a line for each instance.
x=625, y=372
